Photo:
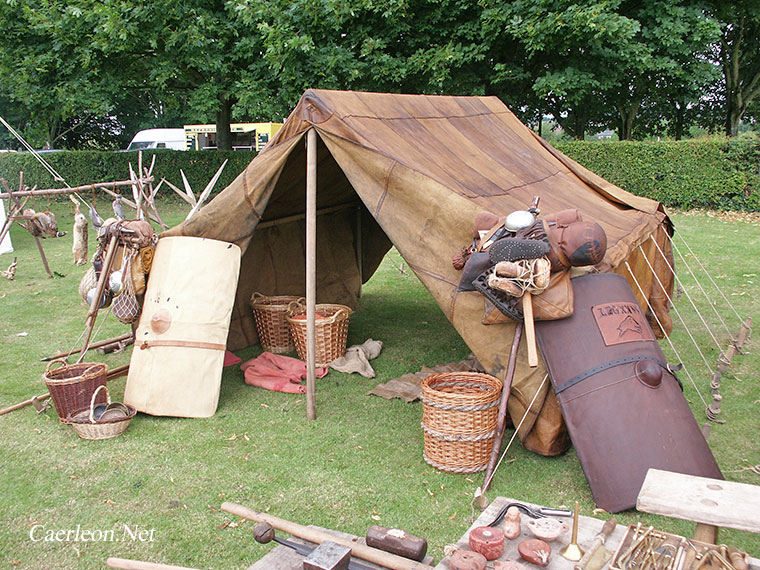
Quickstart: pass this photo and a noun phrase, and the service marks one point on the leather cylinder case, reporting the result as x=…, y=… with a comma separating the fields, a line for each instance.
x=624, y=409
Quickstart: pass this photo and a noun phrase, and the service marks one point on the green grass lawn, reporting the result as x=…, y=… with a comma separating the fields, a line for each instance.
x=360, y=463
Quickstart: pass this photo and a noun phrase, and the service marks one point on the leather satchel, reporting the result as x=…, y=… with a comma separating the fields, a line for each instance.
x=555, y=302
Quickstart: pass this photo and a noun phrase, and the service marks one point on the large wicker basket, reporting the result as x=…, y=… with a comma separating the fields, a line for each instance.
x=72, y=385
x=269, y=313
x=330, y=330
x=87, y=426
x=459, y=420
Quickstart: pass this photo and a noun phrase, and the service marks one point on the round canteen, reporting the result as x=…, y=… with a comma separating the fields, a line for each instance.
x=115, y=282
x=91, y=296
x=518, y=220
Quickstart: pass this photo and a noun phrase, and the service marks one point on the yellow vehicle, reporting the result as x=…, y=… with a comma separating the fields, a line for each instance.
x=245, y=136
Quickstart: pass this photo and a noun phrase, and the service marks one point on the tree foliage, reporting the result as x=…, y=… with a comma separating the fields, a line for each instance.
x=83, y=73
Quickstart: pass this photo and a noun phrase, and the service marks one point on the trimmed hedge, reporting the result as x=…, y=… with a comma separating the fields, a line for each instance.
x=715, y=173
x=85, y=167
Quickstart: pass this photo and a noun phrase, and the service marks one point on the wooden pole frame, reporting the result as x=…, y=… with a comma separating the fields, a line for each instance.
x=311, y=270
x=84, y=188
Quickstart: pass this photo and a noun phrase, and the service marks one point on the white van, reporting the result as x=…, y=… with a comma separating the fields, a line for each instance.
x=159, y=138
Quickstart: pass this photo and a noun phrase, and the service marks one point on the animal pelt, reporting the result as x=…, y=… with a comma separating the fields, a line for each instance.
x=40, y=224
x=10, y=273
x=79, y=245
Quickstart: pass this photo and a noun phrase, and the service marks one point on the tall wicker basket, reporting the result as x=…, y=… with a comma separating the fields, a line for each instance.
x=72, y=385
x=459, y=416
x=269, y=313
x=330, y=330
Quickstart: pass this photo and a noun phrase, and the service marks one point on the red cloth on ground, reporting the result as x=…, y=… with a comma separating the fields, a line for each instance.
x=230, y=359
x=277, y=372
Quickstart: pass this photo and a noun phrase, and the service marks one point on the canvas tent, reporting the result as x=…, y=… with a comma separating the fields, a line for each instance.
x=412, y=171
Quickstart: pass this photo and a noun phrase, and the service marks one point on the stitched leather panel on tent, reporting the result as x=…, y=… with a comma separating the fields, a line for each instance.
x=418, y=168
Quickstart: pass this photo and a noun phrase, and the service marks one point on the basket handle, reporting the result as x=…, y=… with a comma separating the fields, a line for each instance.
x=94, y=365
x=56, y=361
x=296, y=306
x=92, y=401
x=340, y=314
x=256, y=297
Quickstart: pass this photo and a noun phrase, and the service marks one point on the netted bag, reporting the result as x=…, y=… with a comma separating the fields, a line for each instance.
x=89, y=281
x=125, y=307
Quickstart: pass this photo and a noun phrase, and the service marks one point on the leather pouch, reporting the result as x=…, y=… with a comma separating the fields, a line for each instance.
x=556, y=302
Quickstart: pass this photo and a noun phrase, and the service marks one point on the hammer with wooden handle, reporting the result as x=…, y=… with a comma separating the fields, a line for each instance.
x=599, y=540
x=318, y=536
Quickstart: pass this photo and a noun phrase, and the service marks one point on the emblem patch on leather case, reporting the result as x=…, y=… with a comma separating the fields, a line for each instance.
x=621, y=322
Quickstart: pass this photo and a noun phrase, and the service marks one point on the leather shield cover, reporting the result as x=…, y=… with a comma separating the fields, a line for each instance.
x=624, y=410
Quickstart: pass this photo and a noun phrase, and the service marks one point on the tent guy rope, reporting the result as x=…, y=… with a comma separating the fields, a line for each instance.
x=678, y=313
x=672, y=346
x=686, y=293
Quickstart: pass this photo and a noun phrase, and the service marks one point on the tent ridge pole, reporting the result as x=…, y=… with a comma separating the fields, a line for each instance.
x=311, y=270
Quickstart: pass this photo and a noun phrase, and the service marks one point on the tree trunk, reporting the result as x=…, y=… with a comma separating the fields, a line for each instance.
x=223, y=119
x=680, y=119
x=741, y=87
x=628, y=113
x=733, y=117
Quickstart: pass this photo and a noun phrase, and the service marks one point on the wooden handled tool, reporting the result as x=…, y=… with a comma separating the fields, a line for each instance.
x=124, y=564
x=530, y=329
x=319, y=536
x=263, y=533
x=599, y=540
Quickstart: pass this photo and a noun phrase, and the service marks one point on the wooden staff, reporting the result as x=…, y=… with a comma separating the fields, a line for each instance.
x=98, y=344
x=385, y=559
x=501, y=420
x=99, y=290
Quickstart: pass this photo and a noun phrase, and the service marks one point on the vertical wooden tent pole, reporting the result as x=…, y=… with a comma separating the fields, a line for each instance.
x=311, y=270
x=358, y=246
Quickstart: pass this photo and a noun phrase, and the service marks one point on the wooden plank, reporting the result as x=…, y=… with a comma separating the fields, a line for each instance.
x=700, y=499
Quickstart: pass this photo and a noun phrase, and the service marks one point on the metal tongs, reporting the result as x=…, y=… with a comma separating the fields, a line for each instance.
x=536, y=513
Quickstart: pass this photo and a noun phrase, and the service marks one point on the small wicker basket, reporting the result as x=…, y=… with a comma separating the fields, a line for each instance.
x=269, y=314
x=72, y=385
x=459, y=416
x=87, y=427
x=330, y=330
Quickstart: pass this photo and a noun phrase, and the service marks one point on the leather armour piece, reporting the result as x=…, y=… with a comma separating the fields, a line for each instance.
x=624, y=410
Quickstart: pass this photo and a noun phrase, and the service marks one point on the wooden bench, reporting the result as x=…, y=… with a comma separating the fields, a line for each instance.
x=711, y=503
